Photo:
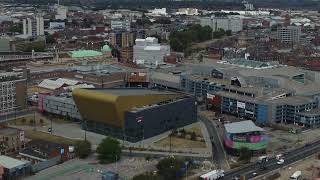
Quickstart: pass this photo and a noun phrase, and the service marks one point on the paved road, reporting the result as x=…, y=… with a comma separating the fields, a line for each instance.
x=289, y=157
x=217, y=146
x=14, y=115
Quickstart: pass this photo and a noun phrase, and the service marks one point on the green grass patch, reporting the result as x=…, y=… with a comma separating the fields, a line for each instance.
x=49, y=137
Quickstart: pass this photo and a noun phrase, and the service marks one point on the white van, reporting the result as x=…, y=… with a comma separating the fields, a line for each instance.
x=296, y=175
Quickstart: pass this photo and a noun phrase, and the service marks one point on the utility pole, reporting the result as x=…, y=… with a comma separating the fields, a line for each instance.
x=85, y=130
x=34, y=121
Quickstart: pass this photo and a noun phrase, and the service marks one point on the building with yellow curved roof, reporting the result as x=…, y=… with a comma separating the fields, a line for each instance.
x=125, y=112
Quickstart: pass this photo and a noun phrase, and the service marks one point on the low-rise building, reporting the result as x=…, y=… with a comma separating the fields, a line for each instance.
x=14, y=168
x=37, y=151
x=149, y=51
x=11, y=140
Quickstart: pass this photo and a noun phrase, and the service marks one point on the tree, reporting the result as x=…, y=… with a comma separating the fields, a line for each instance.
x=109, y=150
x=169, y=167
x=23, y=120
x=50, y=39
x=18, y=28
x=148, y=176
x=31, y=122
x=41, y=121
x=193, y=136
x=245, y=154
x=228, y=32
x=83, y=149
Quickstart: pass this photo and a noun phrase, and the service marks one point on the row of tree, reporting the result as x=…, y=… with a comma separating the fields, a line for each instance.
x=169, y=168
x=109, y=150
x=181, y=41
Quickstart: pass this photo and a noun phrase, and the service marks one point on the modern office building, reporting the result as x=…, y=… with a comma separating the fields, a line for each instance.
x=13, y=92
x=233, y=23
x=123, y=25
x=134, y=114
x=264, y=92
x=289, y=35
x=33, y=26
x=122, y=39
x=149, y=51
x=244, y=134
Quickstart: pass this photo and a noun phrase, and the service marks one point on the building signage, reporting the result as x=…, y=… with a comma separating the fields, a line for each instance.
x=240, y=138
x=21, y=135
x=249, y=112
x=57, y=25
x=241, y=105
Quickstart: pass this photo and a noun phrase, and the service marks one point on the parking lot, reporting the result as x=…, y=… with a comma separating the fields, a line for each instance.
x=89, y=169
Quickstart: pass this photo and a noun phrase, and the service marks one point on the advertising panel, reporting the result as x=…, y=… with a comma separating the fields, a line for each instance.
x=241, y=105
x=57, y=25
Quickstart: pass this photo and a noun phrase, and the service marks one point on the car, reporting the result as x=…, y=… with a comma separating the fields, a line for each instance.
x=254, y=174
x=237, y=178
x=279, y=156
x=281, y=161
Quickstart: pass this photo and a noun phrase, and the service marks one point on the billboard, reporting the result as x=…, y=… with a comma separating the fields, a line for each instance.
x=57, y=25
x=241, y=105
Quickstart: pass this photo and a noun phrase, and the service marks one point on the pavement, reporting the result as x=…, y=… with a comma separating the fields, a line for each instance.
x=88, y=169
x=73, y=130
x=219, y=155
x=14, y=115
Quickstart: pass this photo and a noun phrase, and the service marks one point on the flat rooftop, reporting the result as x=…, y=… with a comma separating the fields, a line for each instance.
x=293, y=100
x=8, y=131
x=133, y=91
x=242, y=127
x=313, y=112
x=10, y=163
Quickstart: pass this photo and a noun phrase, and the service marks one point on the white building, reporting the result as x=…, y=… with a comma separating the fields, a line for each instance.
x=120, y=25
x=149, y=51
x=289, y=34
x=33, y=27
x=61, y=12
x=233, y=23
x=187, y=11
x=158, y=12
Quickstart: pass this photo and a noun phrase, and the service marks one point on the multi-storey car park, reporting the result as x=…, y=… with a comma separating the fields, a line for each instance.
x=264, y=92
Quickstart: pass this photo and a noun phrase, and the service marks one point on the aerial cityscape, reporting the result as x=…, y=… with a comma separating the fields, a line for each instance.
x=160, y=89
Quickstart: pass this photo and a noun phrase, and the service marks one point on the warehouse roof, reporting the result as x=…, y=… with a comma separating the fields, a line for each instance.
x=242, y=127
x=10, y=163
x=58, y=83
x=133, y=91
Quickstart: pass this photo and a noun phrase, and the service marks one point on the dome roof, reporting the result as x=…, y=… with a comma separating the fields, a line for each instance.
x=106, y=48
